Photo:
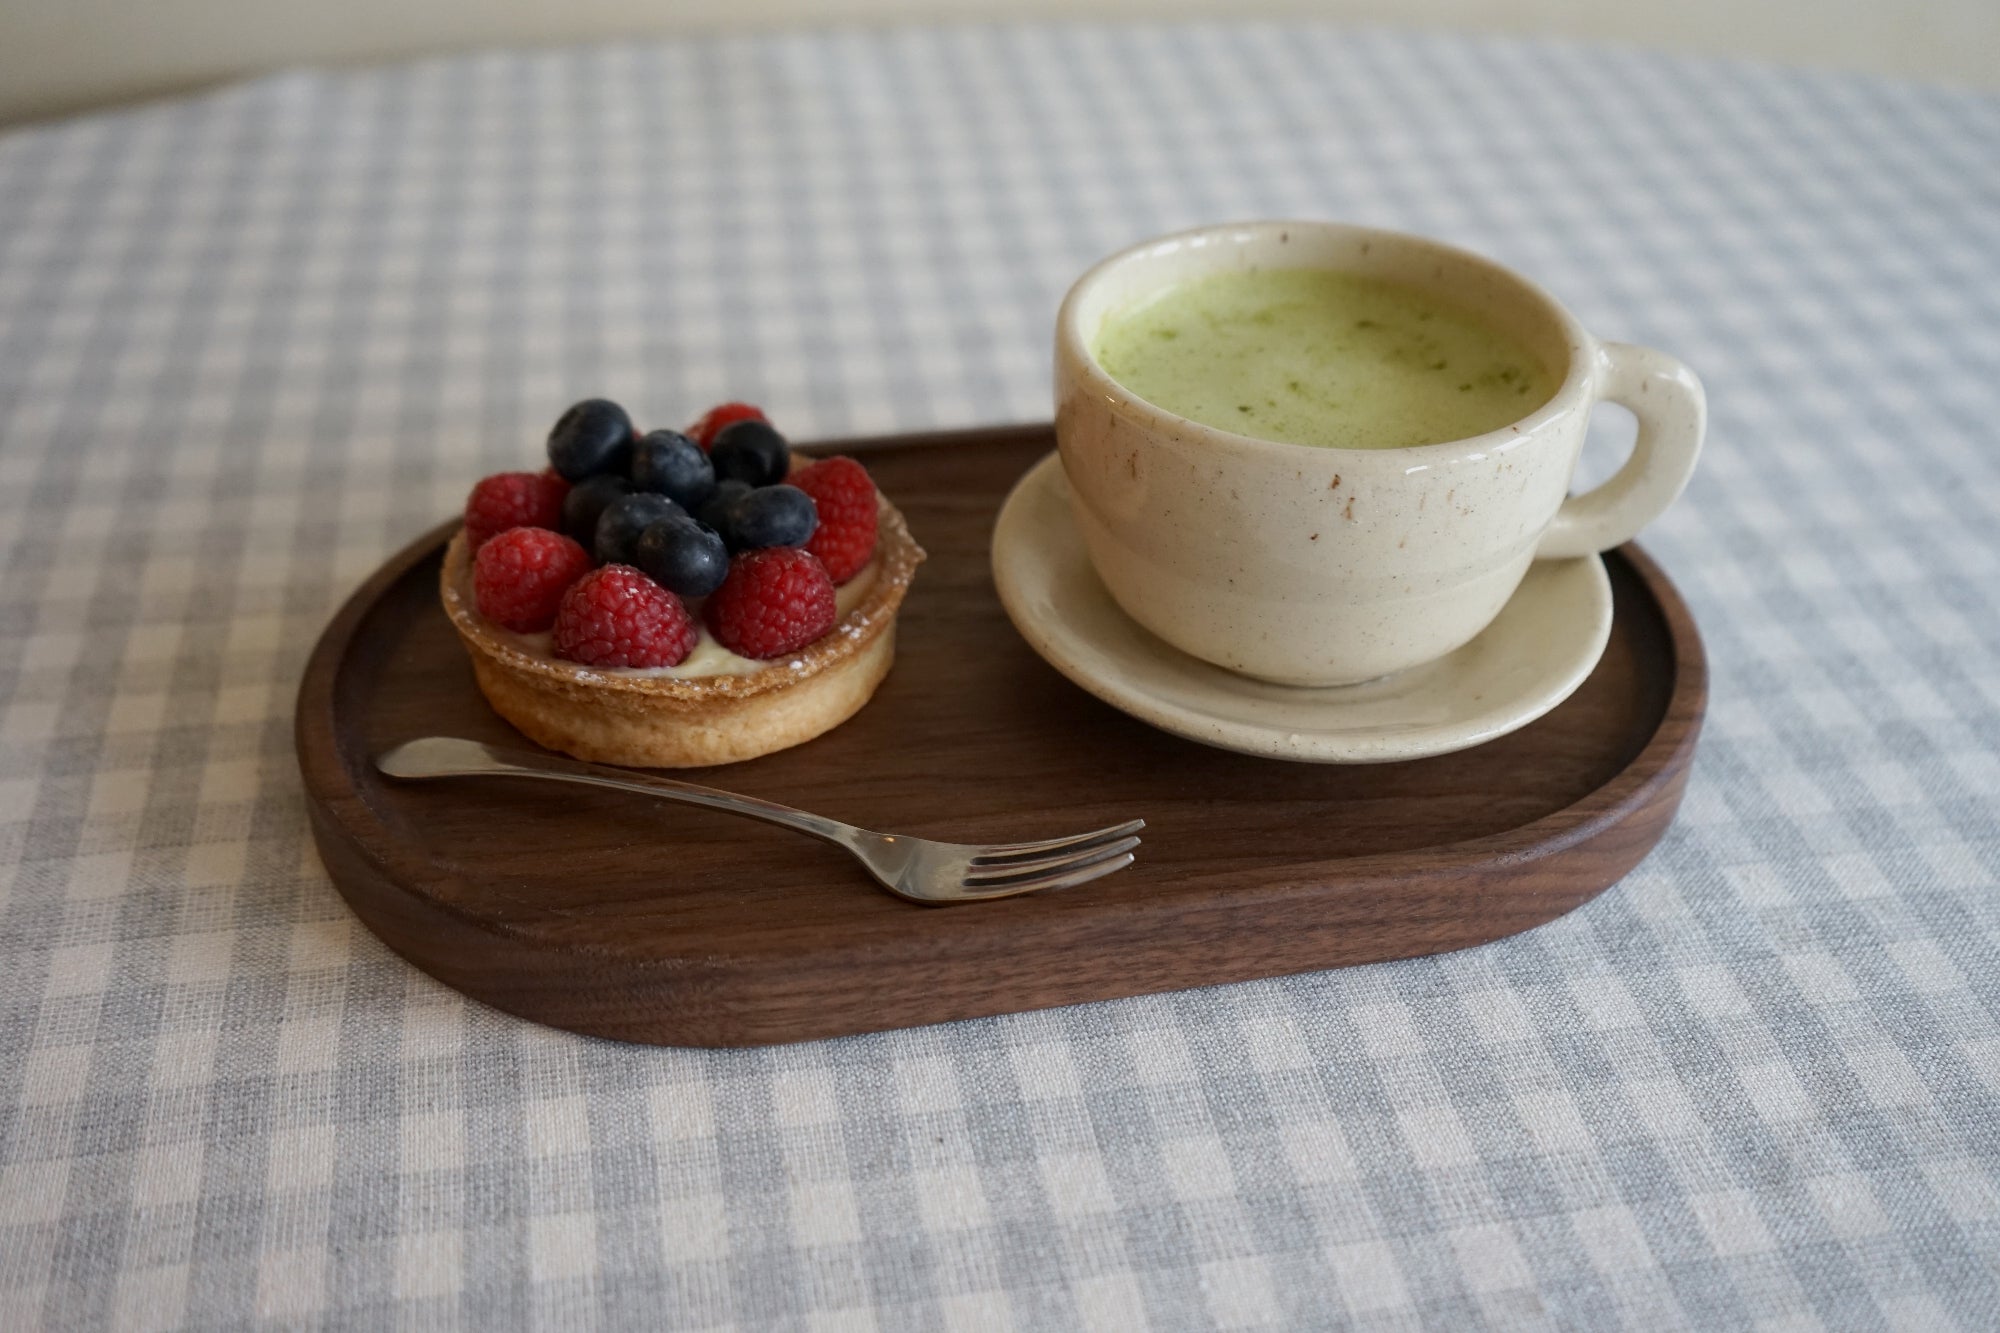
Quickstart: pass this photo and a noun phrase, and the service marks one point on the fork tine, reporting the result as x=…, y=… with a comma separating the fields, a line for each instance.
x=1065, y=859
x=1064, y=850
x=1069, y=880
x=1000, y=853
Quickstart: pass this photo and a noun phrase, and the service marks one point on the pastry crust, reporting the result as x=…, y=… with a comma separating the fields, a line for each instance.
x=648, y=721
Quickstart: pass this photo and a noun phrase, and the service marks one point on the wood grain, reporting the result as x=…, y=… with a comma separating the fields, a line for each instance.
x=612, y=915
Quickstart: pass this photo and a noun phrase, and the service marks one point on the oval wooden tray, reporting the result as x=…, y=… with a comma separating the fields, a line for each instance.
x=614, y=915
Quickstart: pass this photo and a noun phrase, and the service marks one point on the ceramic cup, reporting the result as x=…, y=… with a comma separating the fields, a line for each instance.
x=1319, y=566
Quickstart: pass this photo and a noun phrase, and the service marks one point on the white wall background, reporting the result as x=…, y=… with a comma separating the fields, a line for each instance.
x=65, y=55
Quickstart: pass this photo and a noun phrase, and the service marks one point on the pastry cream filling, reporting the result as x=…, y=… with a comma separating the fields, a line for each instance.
x=708, y=657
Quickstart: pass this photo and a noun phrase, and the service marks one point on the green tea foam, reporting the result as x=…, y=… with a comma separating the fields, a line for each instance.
x=1321, y=357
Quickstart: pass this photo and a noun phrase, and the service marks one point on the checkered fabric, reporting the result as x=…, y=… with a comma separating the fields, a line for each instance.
x=253, y=342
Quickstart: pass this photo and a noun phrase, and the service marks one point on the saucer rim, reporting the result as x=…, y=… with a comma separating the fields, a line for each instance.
x=1363, y=747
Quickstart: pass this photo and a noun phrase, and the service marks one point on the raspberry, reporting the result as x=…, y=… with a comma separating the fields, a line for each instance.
x=617, y=617
x=704, y=431
x=845, y=498
x=775, y=601
x=513, y=500
x=518, y=577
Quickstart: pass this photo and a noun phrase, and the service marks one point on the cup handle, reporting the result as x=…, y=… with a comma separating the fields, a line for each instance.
x=1673, y=414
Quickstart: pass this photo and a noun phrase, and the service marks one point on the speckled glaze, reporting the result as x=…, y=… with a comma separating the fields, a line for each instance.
x=1534, y=655
x=1317, y=566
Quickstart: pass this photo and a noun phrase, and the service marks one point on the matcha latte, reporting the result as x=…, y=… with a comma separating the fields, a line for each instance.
x=1318, y=356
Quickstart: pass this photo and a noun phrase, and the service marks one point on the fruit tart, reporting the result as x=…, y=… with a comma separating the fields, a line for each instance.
x=674, y=599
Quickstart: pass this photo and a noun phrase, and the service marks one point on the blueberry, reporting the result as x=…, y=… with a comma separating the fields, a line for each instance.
x=772, y=516
x=751, y=451
x=626, y=517
x=683, y=556
x=716, y=512
x=594, y=436
x=586, y=503
x=670, y=463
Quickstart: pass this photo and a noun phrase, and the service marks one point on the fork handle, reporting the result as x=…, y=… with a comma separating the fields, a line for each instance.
x=452, y=757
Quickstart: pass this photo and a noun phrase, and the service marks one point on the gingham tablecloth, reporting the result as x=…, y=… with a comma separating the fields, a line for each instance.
x=253, y=342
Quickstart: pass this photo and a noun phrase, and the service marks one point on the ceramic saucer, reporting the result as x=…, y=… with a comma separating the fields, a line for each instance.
x=1546, y=640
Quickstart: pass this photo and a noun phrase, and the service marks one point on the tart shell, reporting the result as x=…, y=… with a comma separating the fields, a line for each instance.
x=648, y=721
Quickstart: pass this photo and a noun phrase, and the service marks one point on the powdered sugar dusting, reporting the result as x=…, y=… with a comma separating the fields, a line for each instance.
x=708, y=657
x=866, y=605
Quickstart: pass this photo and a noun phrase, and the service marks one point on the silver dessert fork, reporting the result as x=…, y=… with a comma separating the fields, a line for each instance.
x=914, y=868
